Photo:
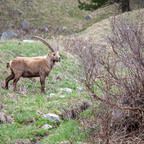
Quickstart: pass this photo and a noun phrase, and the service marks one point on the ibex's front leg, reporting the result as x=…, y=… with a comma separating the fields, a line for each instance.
x=16, y=79
x=42, y=81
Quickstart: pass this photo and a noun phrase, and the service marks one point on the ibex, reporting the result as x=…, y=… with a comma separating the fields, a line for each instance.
x=28, y=67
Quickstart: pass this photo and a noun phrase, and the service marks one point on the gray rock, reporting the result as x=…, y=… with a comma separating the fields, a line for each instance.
x=37, y=142
x=60, y=28
x=68, y=90
x=25, y=25
x=46, y=126
x=52, y=117
x=8, y=34
x=46, y=29
x=88, y=17
x=64, y=28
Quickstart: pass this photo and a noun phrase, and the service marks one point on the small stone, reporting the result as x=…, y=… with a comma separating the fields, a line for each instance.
x=67, y=7
x=60, y=28
x=52, y=117
x=46, y=126
x=64, y=28
x=52, y=94
x=62, y=96
x=75, y=80
x=35, y=30
x=25, y=25
x=79, y=88
x=88, y=17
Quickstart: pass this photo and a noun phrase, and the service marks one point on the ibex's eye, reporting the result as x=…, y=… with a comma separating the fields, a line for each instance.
x=53, y=54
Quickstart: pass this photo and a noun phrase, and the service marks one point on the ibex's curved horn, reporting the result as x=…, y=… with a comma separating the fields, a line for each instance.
x=44, y=41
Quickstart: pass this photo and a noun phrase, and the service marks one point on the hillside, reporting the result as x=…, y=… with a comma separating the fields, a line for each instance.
x=21, y=113
x=27, y=106
x=99, y=30
x=52, y=14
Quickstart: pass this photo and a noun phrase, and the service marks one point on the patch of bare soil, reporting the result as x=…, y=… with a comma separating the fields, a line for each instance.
x=5, y=118
x=73, y=112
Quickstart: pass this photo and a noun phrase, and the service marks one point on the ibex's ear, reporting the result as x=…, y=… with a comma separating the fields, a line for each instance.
x=49, y=53
x=57, y=48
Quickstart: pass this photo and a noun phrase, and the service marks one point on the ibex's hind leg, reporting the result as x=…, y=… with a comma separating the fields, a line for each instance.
x=42, y=81
x=16, y=79
x=8, y=79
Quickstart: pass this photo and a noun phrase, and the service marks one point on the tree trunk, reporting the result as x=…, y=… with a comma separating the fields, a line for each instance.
x=125, y=5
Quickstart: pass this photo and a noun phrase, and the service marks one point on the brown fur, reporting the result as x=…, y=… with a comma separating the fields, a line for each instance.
x=32, y=67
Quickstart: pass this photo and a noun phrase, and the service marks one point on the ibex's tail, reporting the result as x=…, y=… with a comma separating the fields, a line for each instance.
x=7, y=66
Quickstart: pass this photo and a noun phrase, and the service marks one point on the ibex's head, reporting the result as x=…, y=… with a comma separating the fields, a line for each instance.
x=54, y=54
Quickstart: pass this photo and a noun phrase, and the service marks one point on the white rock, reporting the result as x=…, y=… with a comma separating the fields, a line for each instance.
x=75, y=80
x=29, y=41
x=52, y=117
x=52, y=94
x=79, y=88
x=68, y=90
x=46, y=126
x=62, y=96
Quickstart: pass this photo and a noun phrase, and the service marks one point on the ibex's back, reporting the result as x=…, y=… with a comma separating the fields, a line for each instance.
x=32, y=67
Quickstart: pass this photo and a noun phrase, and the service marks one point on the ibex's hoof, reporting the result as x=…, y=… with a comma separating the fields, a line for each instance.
x=43, y=92
x=15, y=90
x=5, y=87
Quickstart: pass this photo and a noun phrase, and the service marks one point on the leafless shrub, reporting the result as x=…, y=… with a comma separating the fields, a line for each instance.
x=114, y=75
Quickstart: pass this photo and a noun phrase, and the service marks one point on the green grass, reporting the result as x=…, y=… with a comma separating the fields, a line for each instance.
x=11, y=132
x=28, y=105
x=68, y=131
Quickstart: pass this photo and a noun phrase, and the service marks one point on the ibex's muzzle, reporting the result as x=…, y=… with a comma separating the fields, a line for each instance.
x=59, y=59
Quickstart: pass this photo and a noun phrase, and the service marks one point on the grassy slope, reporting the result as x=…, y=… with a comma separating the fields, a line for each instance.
x=29, y=104
x=53, y=13
x=99, y=30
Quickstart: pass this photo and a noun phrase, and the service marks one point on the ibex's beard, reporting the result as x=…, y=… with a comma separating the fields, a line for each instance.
x=58, y=60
